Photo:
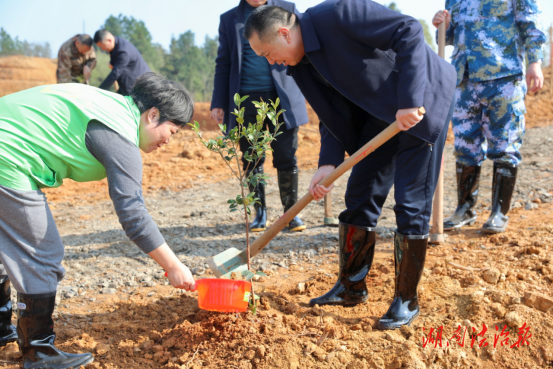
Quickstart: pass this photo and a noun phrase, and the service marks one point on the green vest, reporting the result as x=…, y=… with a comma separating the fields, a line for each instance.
x=42, y=133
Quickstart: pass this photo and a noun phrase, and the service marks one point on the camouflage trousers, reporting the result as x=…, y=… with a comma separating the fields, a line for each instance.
x=489, y=120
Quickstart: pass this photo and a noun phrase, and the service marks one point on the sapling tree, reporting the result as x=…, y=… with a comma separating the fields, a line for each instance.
x=259, y=141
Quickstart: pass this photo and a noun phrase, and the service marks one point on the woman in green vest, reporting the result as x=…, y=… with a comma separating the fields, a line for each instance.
x=50, y=133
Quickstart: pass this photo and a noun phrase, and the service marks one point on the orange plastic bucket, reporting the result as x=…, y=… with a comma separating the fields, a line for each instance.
x=223, y=295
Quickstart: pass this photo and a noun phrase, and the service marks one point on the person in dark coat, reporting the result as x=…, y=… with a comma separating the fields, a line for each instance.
x=126, y=62
x=239, y=70
x=362, y=66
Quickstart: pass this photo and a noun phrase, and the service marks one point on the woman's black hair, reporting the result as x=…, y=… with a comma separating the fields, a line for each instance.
x=172, y=100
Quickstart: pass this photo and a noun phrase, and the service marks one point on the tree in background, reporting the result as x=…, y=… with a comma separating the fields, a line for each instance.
x=393, y=6
x=427, y=34
x=192, y=66
x=137, y=33
x=11, y=46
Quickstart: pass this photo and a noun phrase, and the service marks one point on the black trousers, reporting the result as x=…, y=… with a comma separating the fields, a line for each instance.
x=284, y=146
x=405, y=161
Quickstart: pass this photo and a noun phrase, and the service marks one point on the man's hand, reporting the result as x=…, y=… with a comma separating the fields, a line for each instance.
x=218, y=114
x=86, y=73
x=407, y=118
x=316, y=189
x=534, y=74
x=441, y=16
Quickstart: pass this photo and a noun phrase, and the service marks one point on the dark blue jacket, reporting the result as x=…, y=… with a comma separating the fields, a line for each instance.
x=229, y=67
x=127, y=64
x=377, y=58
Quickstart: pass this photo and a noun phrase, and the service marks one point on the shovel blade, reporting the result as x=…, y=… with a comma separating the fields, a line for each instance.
x=231, y=260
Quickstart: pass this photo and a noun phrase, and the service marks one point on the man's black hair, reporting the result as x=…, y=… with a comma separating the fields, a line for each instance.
x=172, y=100
x=85, y=40
x=100, y=35
x=266, y=20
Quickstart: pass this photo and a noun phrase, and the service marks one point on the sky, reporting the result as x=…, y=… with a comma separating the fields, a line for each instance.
x=55, y=21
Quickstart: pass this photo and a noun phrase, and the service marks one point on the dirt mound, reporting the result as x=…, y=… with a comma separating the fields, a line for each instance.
x=19, y=72
x=540, y=105
x=468, y=320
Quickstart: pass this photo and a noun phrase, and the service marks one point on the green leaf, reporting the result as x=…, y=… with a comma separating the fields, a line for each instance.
x=237, y=99
x=247, y=274
x=244, y=98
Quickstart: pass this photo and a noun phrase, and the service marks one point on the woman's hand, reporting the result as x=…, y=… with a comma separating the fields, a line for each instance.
x=318, y=191
x=178, y=274
x=181, y=277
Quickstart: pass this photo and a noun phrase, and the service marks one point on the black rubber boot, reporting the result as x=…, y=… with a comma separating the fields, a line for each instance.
x=468, y=179
x=288, y=186
x=259, y=223
x=35, y=331
x=7, y=329
x=356, y=251
x=409, y=256
x=504, y=179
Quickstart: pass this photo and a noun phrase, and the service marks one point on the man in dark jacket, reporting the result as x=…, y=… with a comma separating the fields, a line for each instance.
x=126, y=62
x=361, y=67
x=239, y=70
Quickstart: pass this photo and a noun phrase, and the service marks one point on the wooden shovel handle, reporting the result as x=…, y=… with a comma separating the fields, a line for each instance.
x=368, y=148
x=437, y=235
x=441, y=40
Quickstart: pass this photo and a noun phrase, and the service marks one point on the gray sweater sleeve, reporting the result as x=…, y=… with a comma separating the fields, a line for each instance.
x=123, y=165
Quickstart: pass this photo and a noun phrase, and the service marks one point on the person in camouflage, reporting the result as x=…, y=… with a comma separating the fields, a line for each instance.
x=491, y=39
x=76, y=59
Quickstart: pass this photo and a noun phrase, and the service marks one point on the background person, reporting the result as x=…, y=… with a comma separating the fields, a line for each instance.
x=390, y=73
x=491, y=39
x=126, y=63
x=239, y=70
x=75, y=131
x=76, y=59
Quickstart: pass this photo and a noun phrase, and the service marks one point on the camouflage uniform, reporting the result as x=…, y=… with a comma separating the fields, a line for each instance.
x=71, y=62
x=491, y=38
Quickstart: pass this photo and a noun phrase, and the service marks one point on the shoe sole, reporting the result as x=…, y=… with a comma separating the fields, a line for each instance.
x=260, y=229
x=494, y=230
x=298, y=228
x=4, y=343
x=384, y=327
x=462, y=224
x=337, y=303
x=74, y=366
